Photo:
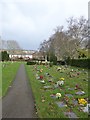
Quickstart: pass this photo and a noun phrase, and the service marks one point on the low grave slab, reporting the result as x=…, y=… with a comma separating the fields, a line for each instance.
x=70, y=114
x=47, y=87
x=61, y=104
x=37, y=78
x=80, y=93
x=55, y=86
x=75, y=102
x=71, y=88
x=42, y=81
x=69, y=95
x=53, y=96
x=86, y=109
x=50, y=80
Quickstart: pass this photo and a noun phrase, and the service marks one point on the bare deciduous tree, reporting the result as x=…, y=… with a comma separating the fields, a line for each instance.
x=13, y=45
x=66, y=43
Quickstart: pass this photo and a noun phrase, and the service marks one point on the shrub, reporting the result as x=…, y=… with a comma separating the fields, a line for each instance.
x=51, y=64
x=4, y=56
x=31, y=63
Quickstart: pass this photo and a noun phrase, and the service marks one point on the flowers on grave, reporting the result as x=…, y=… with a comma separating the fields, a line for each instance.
x=62, y=79
x=35, y=68
x=72, y=70
x=58, y=95
x=41, y=77
x=41, y=70
x=78, y=73
x=43, y=100
x=58, y=68
x=50, y=80
x=70, y=100
x=47, y=74
x=85, y=109
x=77, y=86
x=37, y=77
x=82, y=101
x=42, y=81
x=66, y=98
x=60, y=83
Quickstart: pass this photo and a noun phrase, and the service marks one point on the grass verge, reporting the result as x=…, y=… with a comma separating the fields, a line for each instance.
x=9, y=70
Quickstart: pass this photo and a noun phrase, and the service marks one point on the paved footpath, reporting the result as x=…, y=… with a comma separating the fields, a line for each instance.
x=19, y=101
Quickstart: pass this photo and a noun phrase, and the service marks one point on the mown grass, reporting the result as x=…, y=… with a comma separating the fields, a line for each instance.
x=48, y=108
x=9, y=70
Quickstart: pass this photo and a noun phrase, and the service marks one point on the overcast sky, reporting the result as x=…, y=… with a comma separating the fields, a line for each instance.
x=31, y=21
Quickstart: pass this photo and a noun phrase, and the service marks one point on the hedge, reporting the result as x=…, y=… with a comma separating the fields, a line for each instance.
x=84, y=63
x=31, y=63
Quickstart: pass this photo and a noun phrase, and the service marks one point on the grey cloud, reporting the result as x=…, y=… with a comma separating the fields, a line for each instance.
x=32, y=21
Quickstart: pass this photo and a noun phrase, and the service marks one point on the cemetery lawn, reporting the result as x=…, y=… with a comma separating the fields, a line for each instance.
x=46, y=105
x=9, y=70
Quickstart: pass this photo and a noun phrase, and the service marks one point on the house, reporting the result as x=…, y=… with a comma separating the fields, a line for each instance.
x=25, y=54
